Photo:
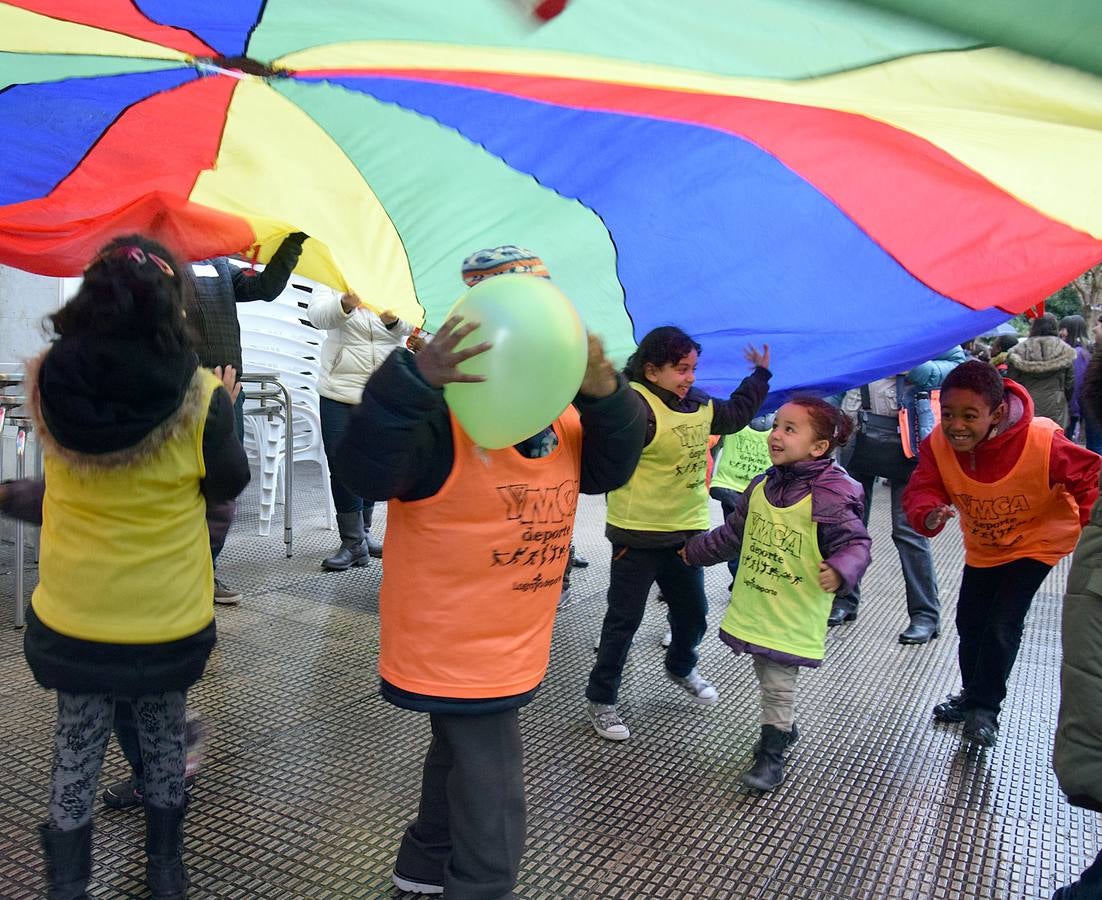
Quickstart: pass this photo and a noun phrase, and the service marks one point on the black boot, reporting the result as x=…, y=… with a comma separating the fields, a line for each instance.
x=374, y=547
x=164, y=865
x=353, y=550
x=768, y=769
x=68, y=861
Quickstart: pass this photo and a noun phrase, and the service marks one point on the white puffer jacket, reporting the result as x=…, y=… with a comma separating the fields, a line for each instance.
x=356, y=344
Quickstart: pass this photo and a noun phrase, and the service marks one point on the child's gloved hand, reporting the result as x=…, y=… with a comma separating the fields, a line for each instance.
x=829, y=580
x=600, y=377
x=439, y=360
x=938, y=516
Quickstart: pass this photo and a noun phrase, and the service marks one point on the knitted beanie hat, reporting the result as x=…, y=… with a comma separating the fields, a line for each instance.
x=502, y=261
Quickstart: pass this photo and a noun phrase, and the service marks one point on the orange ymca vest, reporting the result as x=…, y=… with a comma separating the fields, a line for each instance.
x=473, y=573
x=1018, y=516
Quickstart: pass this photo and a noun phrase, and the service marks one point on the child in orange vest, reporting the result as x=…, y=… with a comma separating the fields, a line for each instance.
x=475, y=555
x=1022, y=491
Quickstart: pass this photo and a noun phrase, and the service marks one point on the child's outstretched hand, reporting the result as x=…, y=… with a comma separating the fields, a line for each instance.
x=938, y=516
x=829, y=580
x=600, y=377
x=439, y=360
x=758, y=358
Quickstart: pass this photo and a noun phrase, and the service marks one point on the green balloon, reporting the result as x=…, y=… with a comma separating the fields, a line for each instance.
x=534, y=368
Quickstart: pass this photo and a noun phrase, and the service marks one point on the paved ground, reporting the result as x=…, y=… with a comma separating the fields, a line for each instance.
x=311, y=778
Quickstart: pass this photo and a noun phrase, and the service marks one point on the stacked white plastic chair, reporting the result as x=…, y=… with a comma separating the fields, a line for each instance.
x=277, y=339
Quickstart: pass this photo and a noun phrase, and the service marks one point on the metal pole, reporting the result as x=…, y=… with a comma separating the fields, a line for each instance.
x=20, y=469
x=288, y=465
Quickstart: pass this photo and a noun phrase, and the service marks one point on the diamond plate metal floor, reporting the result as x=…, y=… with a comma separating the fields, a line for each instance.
x=311, y=778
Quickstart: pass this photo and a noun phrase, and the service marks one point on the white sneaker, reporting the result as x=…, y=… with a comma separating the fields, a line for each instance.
x=607, y=722
x=415, y=887
x=697, y=687
x=667, y=638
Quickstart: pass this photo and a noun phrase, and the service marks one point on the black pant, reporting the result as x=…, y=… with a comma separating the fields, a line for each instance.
x=334, y=423
x=632, y=573
x=991, y=615
x=470, y=827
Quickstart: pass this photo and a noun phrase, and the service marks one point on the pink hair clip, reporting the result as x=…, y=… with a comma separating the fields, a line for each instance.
x=136, y=255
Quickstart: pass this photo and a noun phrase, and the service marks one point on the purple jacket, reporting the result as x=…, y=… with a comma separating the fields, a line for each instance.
x=1079, y=367
x=837, y=507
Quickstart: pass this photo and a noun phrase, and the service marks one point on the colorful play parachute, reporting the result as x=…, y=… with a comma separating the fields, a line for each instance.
x=857, y=188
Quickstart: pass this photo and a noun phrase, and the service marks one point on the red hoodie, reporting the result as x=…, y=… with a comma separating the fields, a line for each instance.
x=1075, y=467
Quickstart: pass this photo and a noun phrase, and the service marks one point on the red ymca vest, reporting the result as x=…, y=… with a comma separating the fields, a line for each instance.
x=1020, y=515
x=473, y=573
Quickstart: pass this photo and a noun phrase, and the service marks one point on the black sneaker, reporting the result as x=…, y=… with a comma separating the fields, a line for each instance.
x=952, y=709
x=124, y=795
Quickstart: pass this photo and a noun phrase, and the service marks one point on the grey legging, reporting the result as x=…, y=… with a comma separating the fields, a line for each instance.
x=83, y=729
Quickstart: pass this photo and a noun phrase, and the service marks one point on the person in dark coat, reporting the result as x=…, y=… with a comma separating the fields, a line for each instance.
x=1077, y=752
x=1045, y=366
x=217, y=287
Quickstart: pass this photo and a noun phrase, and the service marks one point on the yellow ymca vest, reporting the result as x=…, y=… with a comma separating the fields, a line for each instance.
x=776, y=601
x=1019, y=516
x=473, y=573
x=669, y=490
x=742, y=456
x=125, y=550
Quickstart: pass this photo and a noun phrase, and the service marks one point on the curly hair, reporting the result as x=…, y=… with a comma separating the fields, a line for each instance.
x=132, y=289
x=827, y=422
x=980, y=378
x=666, y=344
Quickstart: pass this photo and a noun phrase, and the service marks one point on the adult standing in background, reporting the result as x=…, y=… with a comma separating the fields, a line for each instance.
x=356, y=343
x=1045, y=366
x=218, y=286
x=1073, y=332
x=1077, y=753
x=919, y=579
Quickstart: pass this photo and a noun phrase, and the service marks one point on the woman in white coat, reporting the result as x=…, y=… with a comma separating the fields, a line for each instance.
x=356, y=343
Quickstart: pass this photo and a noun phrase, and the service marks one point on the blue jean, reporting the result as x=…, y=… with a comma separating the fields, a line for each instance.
x=1092, y=434
x=914, y=555
x=334, y=424
x=632, y=573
